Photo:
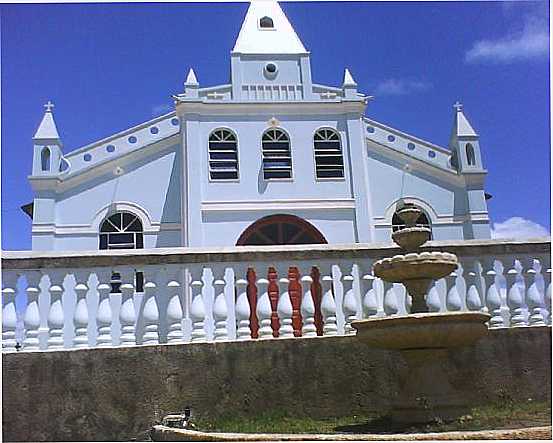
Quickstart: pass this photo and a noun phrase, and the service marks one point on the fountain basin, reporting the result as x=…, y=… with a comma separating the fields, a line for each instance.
x=415, y=266
x=411, y=238
x=423, y=331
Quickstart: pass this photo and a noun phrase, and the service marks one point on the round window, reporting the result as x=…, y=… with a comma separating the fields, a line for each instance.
x=270, y=70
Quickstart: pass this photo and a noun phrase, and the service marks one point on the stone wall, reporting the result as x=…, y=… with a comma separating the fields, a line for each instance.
x=118, y=393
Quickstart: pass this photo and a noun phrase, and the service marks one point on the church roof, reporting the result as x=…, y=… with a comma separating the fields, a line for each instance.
x=257, y=37
x=461, y=125
x=47, y=128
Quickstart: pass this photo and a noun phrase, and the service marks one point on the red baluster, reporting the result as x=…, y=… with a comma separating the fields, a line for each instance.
x=252, y=298
x=272, y=276
x=295, y=291
x=316, y=292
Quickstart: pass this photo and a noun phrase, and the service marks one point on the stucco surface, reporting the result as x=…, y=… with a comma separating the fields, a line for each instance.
x=118, y=393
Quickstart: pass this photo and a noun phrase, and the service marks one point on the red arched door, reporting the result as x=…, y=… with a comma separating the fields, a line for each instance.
x=283, y=230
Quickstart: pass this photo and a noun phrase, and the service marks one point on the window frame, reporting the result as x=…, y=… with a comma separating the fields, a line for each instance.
x=291, y=168
x=315, y=169
x=209, y=170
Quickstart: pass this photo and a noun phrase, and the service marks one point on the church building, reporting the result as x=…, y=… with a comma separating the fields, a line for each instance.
x=271, y=157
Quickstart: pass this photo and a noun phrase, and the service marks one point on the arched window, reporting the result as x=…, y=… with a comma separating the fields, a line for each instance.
x=398, y=223
x=329, y=161
x=45, y=159
x=122, y=230
x=266, y=22
x=223, y=155
x=277, y=158
x=471, y=159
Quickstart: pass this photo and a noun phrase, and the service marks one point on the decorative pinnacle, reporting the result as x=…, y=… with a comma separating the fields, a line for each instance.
x=49, y=106
x=458, y=106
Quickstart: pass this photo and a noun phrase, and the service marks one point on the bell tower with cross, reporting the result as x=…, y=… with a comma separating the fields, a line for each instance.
x=47, y=151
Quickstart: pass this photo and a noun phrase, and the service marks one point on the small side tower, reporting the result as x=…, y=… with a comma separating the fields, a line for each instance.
x=464, y=144
x=468, y=161
x=47, y=151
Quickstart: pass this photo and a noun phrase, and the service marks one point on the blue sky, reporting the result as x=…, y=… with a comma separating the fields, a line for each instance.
x=110, y=66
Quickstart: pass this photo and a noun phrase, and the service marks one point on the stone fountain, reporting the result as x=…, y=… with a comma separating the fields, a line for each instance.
x=422, y=338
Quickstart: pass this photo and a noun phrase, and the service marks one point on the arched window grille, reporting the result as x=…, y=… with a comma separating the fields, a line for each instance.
x=45, y=159
x=277, y=157
x=266, y=22
x=223, y=155
x=329, y=161
x=423, y=220
x=122, y=230
x=471, y=159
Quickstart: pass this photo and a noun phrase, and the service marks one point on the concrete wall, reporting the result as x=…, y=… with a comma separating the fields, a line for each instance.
x=116, y=394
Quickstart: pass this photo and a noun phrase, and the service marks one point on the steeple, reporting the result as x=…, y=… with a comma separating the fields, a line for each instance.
x=266, y=30
x=191, y=85
x=47, y=130
x=349, y=85
x=464, y=143
x=47, y=152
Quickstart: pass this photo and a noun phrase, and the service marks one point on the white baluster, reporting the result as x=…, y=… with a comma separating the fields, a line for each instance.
x=370, y=303
x=9, y=315
x=31, y=319
x=328, y=307
x=220, y=311
x=474, y=303
x=307, y=308
x=150, y=313
x=55, y=313
x=285, y=311
x=80, y=316
x=174, y=307
x=349, y=304
x=127, y=314
x=243, y=311
x=197, y=308
x=264, y=310
x=493, y=300
x=547, y=282
x=515, y=301
x=104, y=315
x=453, y=300
x=390, y=299
x=533, y=299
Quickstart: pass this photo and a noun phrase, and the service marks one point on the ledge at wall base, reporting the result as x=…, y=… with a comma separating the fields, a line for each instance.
x=164, y=433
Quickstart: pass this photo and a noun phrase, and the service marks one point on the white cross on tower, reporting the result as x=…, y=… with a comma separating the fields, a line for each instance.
x=48, y=106
x=458, y=106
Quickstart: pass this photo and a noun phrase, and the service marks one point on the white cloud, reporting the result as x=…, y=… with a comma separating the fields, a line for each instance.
x=394, y=86
x=162, y=109
x=532, y=42
x=520, y=228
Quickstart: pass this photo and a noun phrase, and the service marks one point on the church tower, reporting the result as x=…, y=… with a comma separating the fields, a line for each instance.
x=47, y=151
x=268, y=54
x=464, y=144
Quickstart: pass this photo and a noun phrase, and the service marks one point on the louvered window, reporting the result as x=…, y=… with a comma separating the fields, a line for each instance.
x=223, y=155
x=277, y=158
x=329, y=161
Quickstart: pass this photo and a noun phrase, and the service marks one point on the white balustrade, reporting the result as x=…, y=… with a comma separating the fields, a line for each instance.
x=9, y=314
x=349, y=305
x=80, y=316
x=285, y=310
x=127, y=313
x=220, y=311
x=197, y=308
x=150, y=311
x=31, y=320
x=509, y=280
x=307, y=309
x=243, y=311
x=370, y=303
x=328, y=307
x=263, y=309
x=533, y=298
x=104, y=314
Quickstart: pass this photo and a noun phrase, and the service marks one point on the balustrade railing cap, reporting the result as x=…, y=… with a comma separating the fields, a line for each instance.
x=34, y=260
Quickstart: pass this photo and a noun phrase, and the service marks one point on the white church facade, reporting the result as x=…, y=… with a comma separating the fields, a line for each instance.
x=269, y=158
